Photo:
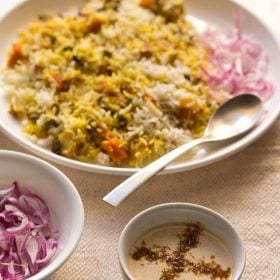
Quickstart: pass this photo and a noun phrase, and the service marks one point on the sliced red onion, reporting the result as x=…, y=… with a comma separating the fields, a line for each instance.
x=238, y=63
x=50, y=253
x=21, y=241
x=2, y=255
x=11, y=268
x=4, y=192
x=4, y=199
x=23, y=226
x=27, y=241
x=32, y=248
x=35, y=207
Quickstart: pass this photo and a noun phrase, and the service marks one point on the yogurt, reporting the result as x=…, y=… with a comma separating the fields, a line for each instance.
x=180, y=251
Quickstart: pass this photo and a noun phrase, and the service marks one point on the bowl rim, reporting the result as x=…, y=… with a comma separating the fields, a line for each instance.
x=185, y=206
x=56, y=263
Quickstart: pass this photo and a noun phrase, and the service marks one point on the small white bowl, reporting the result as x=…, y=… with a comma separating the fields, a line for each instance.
x=61, y=196
x=175, y=213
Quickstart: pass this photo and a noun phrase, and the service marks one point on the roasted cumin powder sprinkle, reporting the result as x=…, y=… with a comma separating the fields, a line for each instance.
x=177, y=261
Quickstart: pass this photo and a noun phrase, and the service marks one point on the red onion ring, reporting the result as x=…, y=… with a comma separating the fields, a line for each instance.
x=27, y=241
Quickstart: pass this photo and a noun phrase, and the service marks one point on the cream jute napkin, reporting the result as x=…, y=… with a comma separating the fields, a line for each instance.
x=244, y=188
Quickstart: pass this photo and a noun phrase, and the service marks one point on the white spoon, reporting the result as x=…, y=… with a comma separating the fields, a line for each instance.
x=233, y=118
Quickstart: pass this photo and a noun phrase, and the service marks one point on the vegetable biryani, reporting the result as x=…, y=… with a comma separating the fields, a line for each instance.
x=117, y=82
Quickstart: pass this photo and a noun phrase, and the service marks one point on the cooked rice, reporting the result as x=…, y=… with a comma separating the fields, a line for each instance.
x=116, y=82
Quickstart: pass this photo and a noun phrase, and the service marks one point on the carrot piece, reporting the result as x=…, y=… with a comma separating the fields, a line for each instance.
x=94, y=24
x=15, y=55
x=107, y=133
x=115, y=150
x=147, y=3
x=57, y=78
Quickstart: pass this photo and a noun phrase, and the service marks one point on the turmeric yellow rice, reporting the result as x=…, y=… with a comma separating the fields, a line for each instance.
x=116, y=82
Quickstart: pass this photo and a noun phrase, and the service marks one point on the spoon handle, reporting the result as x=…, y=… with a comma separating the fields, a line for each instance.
x=118, y=194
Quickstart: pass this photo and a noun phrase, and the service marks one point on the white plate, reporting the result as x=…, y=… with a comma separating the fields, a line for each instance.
x=211, y=12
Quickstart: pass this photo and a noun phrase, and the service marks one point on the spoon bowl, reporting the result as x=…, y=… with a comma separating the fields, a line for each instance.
x=234, y=118
x=228, y=121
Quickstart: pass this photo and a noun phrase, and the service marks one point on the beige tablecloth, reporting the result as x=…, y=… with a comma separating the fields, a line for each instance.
x=244, y=188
